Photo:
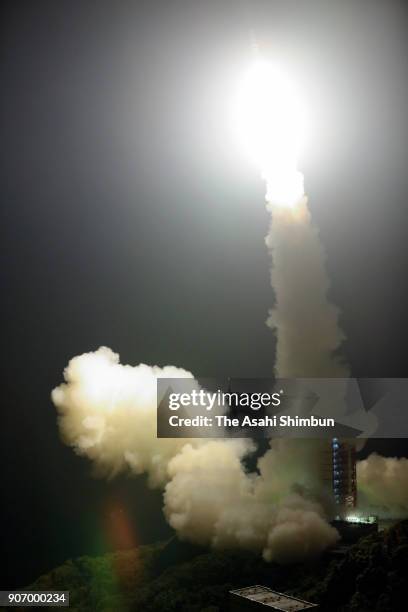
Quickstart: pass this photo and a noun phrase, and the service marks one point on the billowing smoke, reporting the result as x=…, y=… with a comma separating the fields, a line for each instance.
x=210, y=499
x=107, y=412
x=383, y=485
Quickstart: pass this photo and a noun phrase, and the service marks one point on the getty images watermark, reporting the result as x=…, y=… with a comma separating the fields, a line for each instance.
x=221, y=400
x=308, y=407
x=208, y=401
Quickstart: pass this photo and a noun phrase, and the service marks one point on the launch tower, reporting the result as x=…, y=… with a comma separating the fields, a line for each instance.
x=339, y=474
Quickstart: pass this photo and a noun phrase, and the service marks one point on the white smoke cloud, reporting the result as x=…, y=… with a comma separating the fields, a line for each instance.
x=300, y=532
x=205, y=482
x=211, y=499
x=107, y=413
x=383, y=485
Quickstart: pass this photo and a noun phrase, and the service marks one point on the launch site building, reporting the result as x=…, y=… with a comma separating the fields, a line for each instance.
x=259, y=597
x=339, y=473
x=339, y=466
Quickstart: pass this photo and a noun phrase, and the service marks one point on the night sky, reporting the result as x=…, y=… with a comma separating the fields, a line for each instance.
x=130, y=220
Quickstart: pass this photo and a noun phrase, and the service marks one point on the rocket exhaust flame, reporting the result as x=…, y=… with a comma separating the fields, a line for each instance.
x=270, y=124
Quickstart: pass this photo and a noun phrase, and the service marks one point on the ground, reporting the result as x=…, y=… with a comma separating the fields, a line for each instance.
x=175, y=577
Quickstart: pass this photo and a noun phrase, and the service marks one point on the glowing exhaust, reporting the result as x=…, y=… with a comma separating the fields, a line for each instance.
x=270, y=124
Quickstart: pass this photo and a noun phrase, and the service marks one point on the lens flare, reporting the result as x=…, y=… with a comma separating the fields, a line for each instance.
x=270, y=123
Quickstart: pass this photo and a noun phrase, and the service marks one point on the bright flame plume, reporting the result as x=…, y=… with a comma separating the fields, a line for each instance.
x=270, y=123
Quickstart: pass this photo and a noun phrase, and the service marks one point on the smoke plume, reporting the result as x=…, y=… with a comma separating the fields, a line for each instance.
x=211, y=499
x=306, y=323
x=107, y=412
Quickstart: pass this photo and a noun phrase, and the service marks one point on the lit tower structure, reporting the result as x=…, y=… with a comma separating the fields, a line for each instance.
x=350, y=524
x=344, y=483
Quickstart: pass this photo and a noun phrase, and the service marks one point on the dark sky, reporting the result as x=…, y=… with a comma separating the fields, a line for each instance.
x=129, y=220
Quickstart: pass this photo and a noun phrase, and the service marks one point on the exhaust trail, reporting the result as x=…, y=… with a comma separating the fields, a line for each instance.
x=305, y=322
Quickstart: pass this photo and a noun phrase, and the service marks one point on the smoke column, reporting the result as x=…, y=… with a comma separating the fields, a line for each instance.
x=271, y=123
x=306, y=323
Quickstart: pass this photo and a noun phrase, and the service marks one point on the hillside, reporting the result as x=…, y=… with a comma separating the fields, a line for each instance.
x=173, y=577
